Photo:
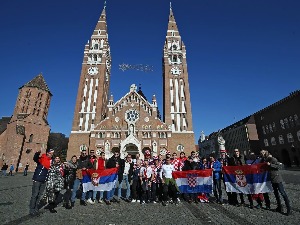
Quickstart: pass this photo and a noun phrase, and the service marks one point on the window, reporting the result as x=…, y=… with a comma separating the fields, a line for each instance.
x=296, y=119
x=30, y=138
x=264, y=130
x=180, y=148
x=282, y=124
x=95, y=57
x=286, y=123
x=273, y=141
x=267, y=129
x=291, y=121
x=270, y=128
x=281, y=140
x=298, y=135
x=274, y=127
x=266, y=142
x=290, y=137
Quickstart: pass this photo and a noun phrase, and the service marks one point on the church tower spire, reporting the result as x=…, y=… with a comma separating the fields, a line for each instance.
x=92, y=98
x=177, y=104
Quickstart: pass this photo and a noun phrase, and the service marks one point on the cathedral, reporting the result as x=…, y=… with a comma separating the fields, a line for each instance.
x=132, y=124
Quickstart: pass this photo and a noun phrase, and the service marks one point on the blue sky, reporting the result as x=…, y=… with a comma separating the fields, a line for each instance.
x=242, y=55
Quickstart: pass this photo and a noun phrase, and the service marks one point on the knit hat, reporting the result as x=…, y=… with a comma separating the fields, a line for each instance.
x=49, y=150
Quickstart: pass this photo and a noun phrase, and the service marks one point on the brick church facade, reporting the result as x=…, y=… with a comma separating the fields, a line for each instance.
x=132, y=124
x=27, y=130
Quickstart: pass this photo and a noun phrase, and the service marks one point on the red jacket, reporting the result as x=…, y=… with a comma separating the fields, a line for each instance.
x=99, y=164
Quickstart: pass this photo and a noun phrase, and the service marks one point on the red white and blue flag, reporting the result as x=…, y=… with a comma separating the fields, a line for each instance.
x=194, y=181
x=247, y=179
x=100, y=180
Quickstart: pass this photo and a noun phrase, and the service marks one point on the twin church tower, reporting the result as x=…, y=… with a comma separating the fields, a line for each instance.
x=132, y=124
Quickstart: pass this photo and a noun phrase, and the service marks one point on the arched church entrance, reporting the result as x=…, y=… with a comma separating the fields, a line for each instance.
x=286, y=158
x=132, y=149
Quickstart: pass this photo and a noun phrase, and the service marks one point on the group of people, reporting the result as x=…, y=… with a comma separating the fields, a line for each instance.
x=11, y=169
x=147, y=180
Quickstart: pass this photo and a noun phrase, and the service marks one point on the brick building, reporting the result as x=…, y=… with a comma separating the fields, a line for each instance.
x=278, y=127
x=27, y=129
x=132, y=124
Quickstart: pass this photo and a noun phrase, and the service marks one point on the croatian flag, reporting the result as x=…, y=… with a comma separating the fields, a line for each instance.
x=194, y=181
x=97, y=180
x=247, y=179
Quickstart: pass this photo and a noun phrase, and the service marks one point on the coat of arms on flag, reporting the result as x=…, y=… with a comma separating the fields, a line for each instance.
x=192, y=179
x=240, y=178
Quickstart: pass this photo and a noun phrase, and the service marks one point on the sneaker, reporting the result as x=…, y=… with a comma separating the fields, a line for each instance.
x=52, y=210
x=138, y=201
x=108, y=202
x=171, y=201
x=258, y=206
x=82, y=202
x=164, y=203
x=154, y=202
x=100, y=201
x=178, y=199
x=251, y=206
x=143, y=202
x=72, y=204
x=91, y=201
x=133, y=200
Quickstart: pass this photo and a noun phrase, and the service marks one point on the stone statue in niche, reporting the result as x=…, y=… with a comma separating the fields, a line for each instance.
x=131, y=129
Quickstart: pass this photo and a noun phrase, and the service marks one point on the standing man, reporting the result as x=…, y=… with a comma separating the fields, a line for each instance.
x=217, y=176
x=26, y=169
x=127, y=175
x=99, y=164
x=276, y=181
x=83, y=164
x=39, y=179
x=169, y=184
x=114, y=162
x=4, y=168
x=11, y=169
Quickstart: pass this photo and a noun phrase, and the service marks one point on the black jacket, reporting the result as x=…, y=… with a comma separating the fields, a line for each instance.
x=112, y=162
x=190, y=165
x=274, y=169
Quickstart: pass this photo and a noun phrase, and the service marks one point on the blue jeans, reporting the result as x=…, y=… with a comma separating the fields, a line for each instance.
x=110, y=194
x=4, y=172
x=125, y=178
x=95, y=195
x=75, y=188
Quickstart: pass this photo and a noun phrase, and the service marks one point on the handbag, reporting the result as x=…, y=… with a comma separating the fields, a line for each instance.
x=79, y=174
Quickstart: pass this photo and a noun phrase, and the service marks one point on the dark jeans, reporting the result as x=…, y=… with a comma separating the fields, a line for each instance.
x=146, y=190
x=67, y=196
x=53, y=204
x=25, y=172
x=169, y=190
x=37, y=193
x=153, y=191
x=136, y=189
x=218, y=190
x=278, y=188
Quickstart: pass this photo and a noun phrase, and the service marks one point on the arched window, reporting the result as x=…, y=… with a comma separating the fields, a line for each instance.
x=96, y=46
x=282, y=124
x=291, y=121
x=290, y=137
x=273, y=141
x=281, y=140
x=30, y=138
x=266, y=142
x=274, y=127
x=263, y=129
x=267, y=129
x=286, y=123
x=180, y=148
x=270, y=128
x=298, y=135
x=296, y=119
x=95, y=57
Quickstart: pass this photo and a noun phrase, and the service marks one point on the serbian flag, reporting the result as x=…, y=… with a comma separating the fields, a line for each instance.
x=247, y=179
x=100, y=180
x=194, y=181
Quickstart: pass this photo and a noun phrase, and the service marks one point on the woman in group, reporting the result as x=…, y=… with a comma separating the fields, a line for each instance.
x=54, y=183
x=70, y=168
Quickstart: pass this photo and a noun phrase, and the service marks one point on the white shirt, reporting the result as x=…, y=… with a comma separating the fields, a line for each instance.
x=166, y=171
x=146, y=170
x=126, y=168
